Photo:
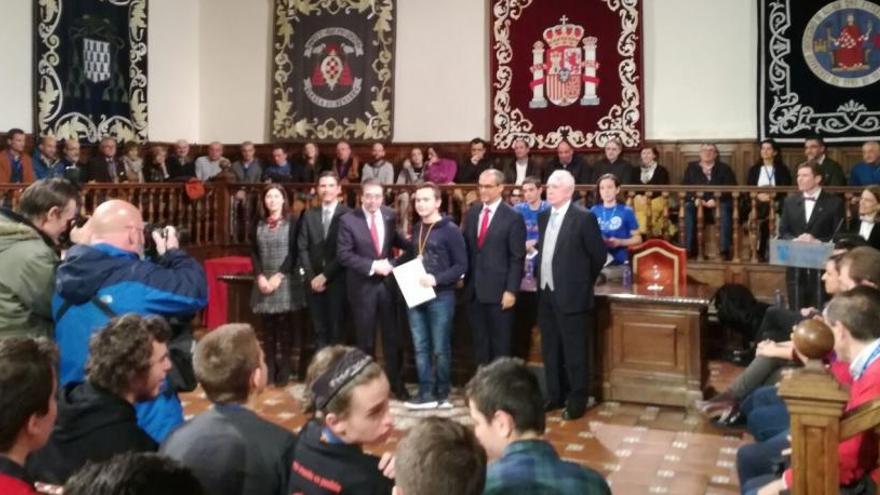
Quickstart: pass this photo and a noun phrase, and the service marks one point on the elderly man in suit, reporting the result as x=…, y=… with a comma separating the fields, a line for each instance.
x=810, y=215
x=570, y=256
x=363, y=246
x=317, y=256
x=105, y=167
x=495, y=236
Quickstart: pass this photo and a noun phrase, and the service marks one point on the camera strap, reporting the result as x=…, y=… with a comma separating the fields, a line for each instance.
x=101, y=305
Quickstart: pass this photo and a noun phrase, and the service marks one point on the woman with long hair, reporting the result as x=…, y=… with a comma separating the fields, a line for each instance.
x=768, y=171
x=278, y=290
x=617, y=223
x=864, y=225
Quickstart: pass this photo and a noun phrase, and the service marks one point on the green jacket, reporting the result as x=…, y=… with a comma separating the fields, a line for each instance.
x=27, y=278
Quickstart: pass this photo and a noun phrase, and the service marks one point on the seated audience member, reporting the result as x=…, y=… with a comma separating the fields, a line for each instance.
x=278, y=170
x=832, y=173
x=522, y=165
x=128, y=363
x=28, y=244
x=507, y=408
x=613, y=164
x=708, y=171
x=70, y=160
x=852, y=316
x=515, y=197
x=248, y=169
x=439, y=457
x=348, y=395
x=344, y=164
x=133, y=163
x=652, y=173
x=617, y=223
x=413, y=169
x=28, y=405
x=15, y=166
x=864, y=225
x=180, y=166
x=440, y=246
x=45, y=161
x=104, y=167
x=229, y=448
x=210, y=165
x=106, y=277
x=380, y=168
x=867, y=171
x=134, y=474
x=566, y=159
x=440, y=171
x=157, y=170
x=469, y=170
x=312, y=160
x=769, y=171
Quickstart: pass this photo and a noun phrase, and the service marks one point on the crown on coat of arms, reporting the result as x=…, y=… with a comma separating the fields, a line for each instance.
x=563, y=34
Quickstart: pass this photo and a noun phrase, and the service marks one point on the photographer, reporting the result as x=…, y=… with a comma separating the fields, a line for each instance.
x=106, y=278
x=29, y=254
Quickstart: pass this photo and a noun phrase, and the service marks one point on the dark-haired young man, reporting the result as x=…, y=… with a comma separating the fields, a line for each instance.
x=832, y=173
x=439, y=457
x=231, y=450
x=128, y=361
x=28, y=255
x=134, y=474
x=15, y=165
x=27, y=406
x=507, y=408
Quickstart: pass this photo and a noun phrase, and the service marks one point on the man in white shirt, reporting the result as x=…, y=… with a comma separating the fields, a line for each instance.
x=212, y=164
x=522, y=165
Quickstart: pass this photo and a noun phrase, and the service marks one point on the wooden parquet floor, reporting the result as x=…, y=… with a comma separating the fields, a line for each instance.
x=638, y=448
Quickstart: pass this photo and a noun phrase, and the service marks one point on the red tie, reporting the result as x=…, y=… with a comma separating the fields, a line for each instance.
x=374, y=233
x=484, y=226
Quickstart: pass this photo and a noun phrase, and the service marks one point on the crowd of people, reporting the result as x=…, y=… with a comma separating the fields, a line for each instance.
x=98, y=338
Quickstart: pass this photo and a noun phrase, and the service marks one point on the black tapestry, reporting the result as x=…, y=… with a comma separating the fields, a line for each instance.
x=90, y=61
x=819, y=69
x=332, y=76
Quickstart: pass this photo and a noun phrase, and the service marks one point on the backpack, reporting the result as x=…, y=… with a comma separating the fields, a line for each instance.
x=739, y=310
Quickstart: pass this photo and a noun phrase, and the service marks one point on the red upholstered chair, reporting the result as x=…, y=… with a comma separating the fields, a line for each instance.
x=659, y=261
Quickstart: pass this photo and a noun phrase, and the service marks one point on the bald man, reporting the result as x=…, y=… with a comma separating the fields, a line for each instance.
x=867, y=172
x=207, y=167
x=106, y=278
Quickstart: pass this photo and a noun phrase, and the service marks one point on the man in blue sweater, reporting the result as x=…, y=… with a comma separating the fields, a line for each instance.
x=867, y=172
x=107, y=277
x=440, y=246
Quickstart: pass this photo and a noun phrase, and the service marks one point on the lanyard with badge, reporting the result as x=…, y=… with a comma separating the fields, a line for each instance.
x=424, y=243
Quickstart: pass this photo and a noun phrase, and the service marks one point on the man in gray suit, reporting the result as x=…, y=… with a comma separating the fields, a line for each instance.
x=249, y=168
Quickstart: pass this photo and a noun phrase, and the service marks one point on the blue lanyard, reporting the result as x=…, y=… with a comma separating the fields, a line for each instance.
x=329, y=437
x=605, y=210
x=873, y=357
x=770, y=175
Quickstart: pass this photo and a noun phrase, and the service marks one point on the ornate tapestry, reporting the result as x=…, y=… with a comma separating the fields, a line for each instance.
x=90, y=65
x=333, y=70
x=819, y=67
x=566, y=70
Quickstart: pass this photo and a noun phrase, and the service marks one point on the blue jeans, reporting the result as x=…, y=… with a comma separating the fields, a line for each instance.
x=431, y=325
x=690, y=223
x=766, y=414
x=758, y=460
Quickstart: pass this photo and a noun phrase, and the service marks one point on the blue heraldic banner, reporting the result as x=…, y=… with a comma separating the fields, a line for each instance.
x=819, y=69
x=332, y=76
x=90, y=67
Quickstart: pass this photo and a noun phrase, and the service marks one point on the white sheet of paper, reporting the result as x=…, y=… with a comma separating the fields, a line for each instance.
x=408, y=275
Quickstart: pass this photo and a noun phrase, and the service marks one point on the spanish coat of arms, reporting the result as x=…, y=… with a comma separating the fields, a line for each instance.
x=564, y=67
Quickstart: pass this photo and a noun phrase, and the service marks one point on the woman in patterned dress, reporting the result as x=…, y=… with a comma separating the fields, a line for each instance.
x=277, y=291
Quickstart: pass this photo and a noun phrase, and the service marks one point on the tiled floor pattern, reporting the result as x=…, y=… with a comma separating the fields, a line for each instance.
x=639, y=448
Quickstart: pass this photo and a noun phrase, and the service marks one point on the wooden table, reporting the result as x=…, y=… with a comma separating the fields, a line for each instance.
x=652, y=346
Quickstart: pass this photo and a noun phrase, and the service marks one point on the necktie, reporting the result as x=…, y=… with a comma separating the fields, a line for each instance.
x=325, y=221
x=374, y=233
x=111, y=169
x=809, y=198
x=484, y=226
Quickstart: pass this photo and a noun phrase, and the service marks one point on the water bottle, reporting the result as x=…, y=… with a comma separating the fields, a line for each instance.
x=777, y=298
x=627, y=275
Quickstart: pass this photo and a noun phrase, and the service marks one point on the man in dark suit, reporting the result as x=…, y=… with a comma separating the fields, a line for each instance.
x=317, y=256
x=180, y=167
x=832, y=173
x=105, y=167
x=811, y=215
x=495, y=236
x=709, y=171
x=363, y=246
x=612, y=163
x=522, y=165
x=566, y=159
x=570, y=256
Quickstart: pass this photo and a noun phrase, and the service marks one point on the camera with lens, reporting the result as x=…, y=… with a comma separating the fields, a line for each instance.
x=150, y=248
x=76, y=222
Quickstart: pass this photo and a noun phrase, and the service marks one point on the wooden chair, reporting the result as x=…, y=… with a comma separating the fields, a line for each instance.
x=657, y=261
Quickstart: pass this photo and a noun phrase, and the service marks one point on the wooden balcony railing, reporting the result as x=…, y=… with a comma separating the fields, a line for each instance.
x=226, y=215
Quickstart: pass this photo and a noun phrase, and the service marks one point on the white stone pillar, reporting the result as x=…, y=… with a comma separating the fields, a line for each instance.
x=538, y=100
x=590, y=68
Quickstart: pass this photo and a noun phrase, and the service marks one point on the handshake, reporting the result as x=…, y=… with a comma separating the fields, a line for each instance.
x=382, y=267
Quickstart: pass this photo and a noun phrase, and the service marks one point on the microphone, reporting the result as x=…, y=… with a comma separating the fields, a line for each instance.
x=837, y=229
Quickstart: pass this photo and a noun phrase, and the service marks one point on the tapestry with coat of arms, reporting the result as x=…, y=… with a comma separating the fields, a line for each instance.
x=566, y=70
x=819, y=70
x=333, y=70
x=90, y=62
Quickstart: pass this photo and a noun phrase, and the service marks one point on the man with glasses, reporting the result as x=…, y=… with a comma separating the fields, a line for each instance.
x=107, y=277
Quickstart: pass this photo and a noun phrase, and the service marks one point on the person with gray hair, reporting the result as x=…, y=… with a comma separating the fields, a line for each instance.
x=210, y=165
x=495, y=236
x=105, y=167
x=570, y=257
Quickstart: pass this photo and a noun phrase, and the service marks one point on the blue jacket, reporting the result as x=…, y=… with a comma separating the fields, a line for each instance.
x=175, y=285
